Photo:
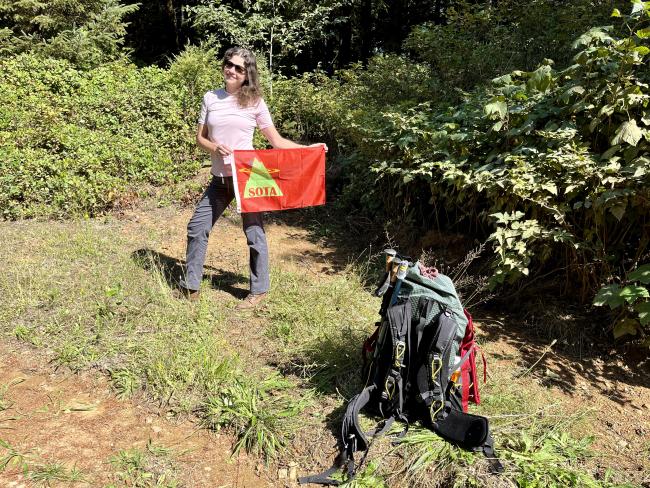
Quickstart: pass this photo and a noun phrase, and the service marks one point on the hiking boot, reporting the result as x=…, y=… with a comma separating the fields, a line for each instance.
x=251, y=301
x=187, y=294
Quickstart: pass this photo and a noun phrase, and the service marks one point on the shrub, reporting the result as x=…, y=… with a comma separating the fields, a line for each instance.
x=76, y=142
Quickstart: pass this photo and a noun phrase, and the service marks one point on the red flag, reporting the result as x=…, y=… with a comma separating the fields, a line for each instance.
x=278, y=179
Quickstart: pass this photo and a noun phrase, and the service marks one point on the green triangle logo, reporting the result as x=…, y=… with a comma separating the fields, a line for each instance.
x=261, y=184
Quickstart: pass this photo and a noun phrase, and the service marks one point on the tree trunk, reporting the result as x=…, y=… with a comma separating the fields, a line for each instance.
x=344, y=56
x=171, y=15
x=365, y=29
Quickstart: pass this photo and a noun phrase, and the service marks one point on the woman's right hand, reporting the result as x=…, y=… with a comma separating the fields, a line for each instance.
x=222, y=149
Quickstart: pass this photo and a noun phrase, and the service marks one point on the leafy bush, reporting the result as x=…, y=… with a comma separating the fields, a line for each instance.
x=77, y=142
x=558, y=158
x=194, y=71
x=553, y=162
x=631, y=301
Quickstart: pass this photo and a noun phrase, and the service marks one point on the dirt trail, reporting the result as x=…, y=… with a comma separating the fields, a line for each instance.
x=75, y=419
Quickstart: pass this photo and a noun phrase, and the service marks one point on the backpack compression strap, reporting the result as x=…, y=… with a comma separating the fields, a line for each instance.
x=433, y=374
x=352, y=439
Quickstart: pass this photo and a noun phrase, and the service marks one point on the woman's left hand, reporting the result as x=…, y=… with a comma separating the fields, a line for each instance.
x=319, y=144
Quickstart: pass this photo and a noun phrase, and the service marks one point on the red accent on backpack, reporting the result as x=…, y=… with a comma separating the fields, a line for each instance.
x=368, y=348
x=469, y=378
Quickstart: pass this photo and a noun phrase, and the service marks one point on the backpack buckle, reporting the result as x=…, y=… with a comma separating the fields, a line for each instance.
x=400, y=349
x=389, y=388
x=436, y=366
x=435, y=408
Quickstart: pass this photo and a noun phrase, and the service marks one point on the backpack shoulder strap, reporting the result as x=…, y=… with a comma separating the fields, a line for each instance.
x=390, y=378
x=352, y=439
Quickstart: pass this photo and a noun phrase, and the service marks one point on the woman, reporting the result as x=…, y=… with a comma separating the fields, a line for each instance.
x=227, y=121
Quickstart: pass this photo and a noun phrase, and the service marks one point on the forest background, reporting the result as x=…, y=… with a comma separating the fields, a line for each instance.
x=523, y=127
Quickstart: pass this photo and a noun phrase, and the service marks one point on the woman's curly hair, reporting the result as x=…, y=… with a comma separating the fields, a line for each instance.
x=251, y=91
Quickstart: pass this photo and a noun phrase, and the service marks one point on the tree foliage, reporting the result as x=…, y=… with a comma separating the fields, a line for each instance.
x=87, y=32
x=497, y=37
x=275, y=28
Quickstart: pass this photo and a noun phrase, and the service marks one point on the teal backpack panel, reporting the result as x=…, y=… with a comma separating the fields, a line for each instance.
x=442, y=290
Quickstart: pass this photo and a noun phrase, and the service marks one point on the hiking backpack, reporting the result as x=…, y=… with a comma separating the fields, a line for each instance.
x=419, y=365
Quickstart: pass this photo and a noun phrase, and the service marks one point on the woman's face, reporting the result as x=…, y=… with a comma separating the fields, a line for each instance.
x=234, y=72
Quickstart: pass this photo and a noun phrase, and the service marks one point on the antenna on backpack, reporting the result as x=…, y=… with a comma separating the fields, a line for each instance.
x=402, y=268
x=385, y=282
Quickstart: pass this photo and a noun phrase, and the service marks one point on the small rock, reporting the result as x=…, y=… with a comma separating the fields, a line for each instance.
x=148, y=420
x=551, y=374
x=156, y=429
x=293, y=472
x=282, y=473
x=207, y=468
x=623, y=444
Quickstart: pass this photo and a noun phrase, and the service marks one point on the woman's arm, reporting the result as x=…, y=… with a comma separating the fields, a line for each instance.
x=277, y=141
x=206, y=144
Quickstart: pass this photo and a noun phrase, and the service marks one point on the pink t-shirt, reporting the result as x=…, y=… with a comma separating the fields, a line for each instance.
x=231, y=125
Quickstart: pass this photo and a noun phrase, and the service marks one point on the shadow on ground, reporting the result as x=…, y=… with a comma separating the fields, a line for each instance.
x=581, y=350
x=173, y=269
x=334, y=368
x=570, y=364
x=345, y=239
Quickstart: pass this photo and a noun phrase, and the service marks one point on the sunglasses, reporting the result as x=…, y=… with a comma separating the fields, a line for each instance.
x=239, y=69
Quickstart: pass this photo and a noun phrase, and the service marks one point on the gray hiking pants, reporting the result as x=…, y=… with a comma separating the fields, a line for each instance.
x=214, y=201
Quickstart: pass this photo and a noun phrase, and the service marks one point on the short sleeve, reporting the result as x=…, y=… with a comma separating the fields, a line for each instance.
x=203, y=114
x=262, y=115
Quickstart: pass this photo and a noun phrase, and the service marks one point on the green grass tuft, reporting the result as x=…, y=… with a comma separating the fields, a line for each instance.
x=87, y=298
x=319, y=326
x=261, y=413
x=55, y=472
x=36, y=470
x=152, y=467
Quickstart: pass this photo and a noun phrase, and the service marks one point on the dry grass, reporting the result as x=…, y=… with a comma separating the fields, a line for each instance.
x=278, y=379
